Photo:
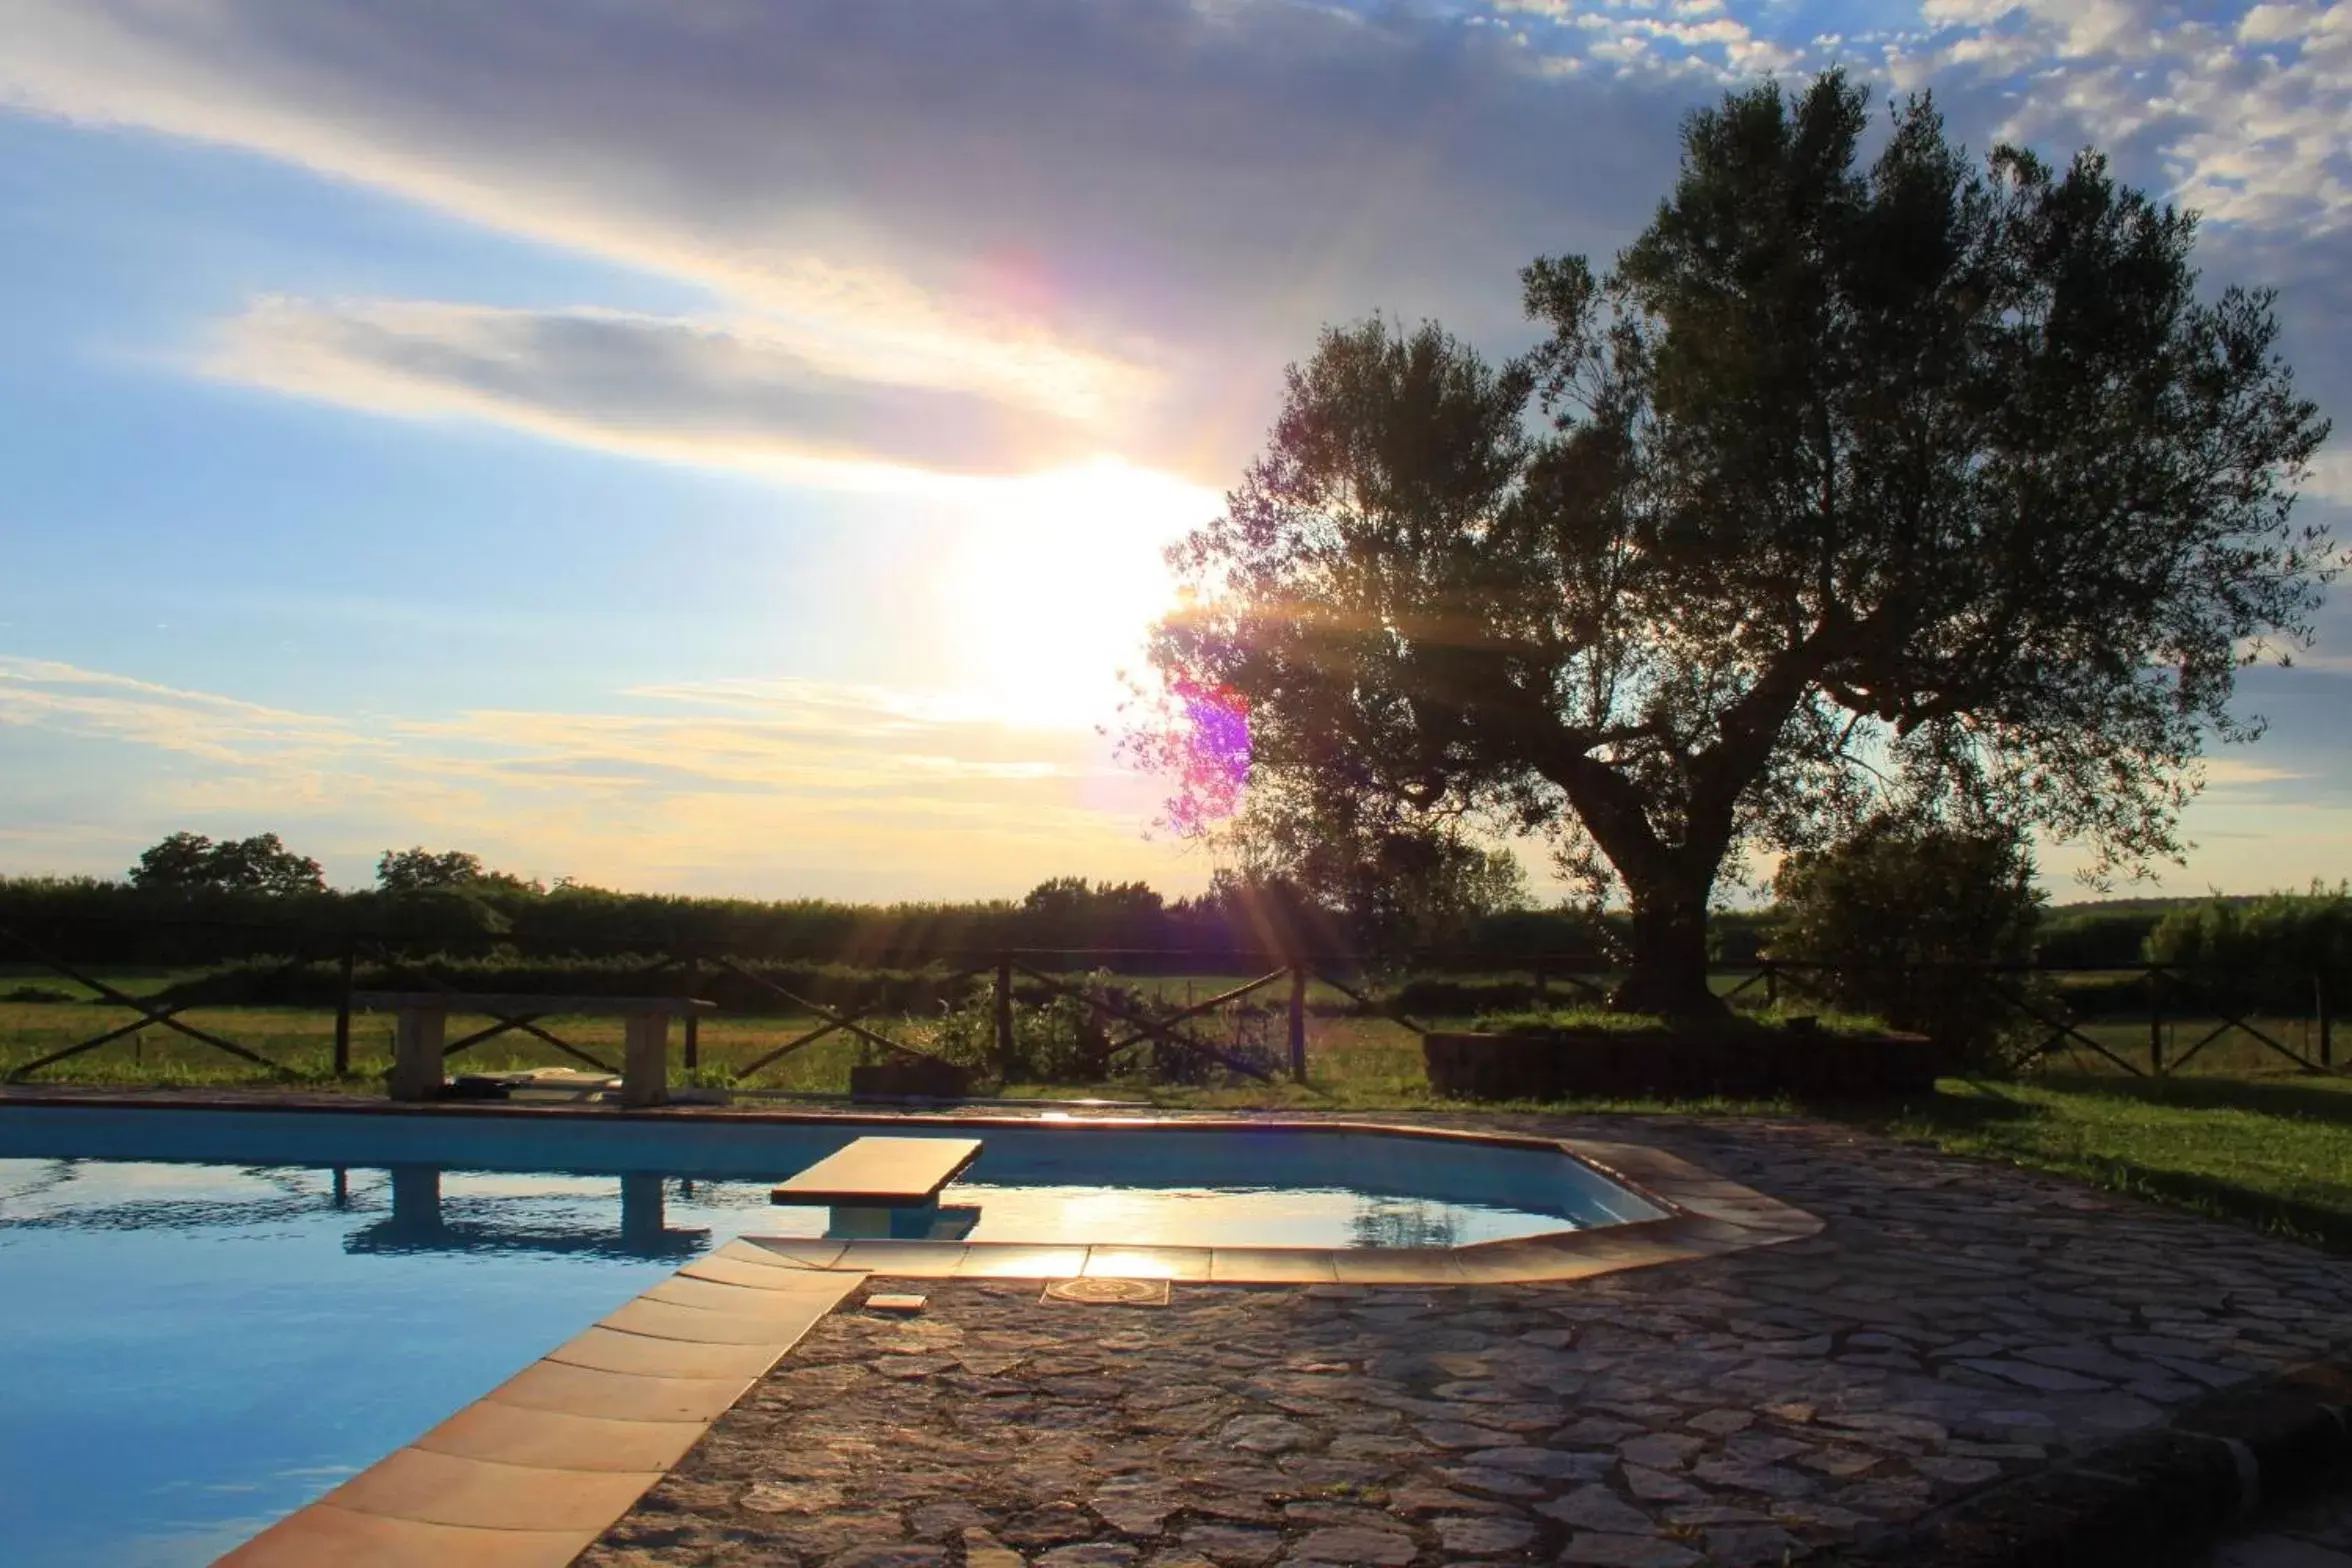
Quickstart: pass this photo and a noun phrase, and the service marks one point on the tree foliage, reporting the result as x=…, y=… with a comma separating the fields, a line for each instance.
x=1378, y=888
x=187, y=863
x=1910, y=918
x=1071, y=912
x=415, y=870
x=2272, y=953
x=1919, y=485
x=420, y=870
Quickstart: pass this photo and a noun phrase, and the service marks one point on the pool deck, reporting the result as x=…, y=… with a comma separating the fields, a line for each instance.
x=1954, y=1325
x=1951, y=1324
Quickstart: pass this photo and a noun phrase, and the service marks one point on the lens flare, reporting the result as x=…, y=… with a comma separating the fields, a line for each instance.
x=1212, y=755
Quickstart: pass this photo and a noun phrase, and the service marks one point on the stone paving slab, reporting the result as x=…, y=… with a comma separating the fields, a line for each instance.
x=1955, y=1324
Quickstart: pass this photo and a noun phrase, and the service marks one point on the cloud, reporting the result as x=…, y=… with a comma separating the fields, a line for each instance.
x=971, y=237
x=707, y=392
x=2246, y=121
x=774, y=786
x=1122, y=216
x=44, y=692
x=2330, y=475
x=2229, y=773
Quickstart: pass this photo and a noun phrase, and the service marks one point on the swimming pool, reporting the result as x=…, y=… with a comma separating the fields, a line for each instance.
x=212, y=1316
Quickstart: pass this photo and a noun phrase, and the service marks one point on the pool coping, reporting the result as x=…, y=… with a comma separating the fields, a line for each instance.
x=1704, y=1216
x=531, y=1473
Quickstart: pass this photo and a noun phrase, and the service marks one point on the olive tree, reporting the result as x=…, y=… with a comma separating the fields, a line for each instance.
x=1908, y=483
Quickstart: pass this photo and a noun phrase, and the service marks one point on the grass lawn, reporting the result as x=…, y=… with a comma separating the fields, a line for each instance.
x=302, y=1041
x=2273, y=1151
x=2267, y=1148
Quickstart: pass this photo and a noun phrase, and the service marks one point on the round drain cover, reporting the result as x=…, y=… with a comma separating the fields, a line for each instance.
x=1110, y=1292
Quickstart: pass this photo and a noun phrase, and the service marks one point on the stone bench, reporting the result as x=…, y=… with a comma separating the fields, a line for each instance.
x=421, y=1020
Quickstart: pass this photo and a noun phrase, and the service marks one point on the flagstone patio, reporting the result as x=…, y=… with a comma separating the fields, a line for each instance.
x=1955, y=1323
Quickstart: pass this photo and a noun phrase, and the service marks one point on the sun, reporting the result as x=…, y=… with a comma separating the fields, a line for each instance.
x=1054, y=582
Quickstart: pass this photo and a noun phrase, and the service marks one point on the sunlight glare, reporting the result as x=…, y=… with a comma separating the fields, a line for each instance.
x=1055, y=581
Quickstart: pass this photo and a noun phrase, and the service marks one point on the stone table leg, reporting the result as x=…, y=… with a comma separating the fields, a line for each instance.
x=645, y=1070
x=416, y=1053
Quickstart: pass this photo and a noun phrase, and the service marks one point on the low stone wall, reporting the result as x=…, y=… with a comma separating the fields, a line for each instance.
x=927, y=1078
x=1608, y=1064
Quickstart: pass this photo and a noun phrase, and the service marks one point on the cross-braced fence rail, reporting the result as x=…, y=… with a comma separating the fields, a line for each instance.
x=1123, y=1018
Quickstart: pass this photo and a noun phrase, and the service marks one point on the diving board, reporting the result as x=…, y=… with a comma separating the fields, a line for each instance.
x=881, y=1173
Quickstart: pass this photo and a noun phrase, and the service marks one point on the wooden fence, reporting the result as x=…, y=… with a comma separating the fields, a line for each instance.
x=1060, y=973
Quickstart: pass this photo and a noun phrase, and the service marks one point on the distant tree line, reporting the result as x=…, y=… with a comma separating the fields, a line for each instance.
x=1883, y=900
x=204, y=901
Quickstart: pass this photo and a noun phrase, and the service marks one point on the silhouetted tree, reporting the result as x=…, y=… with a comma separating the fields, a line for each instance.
x=1071, y=912
x=421, y=870
x=193, y=863
x=1920, y=484
x=1392, y=888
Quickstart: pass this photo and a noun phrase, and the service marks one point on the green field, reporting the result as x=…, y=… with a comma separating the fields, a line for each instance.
x=2239, y=1135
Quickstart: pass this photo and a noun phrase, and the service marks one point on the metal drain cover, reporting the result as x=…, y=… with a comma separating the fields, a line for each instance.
x=1109, y=1292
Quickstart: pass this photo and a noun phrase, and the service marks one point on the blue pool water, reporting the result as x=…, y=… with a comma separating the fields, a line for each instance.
x=208, y=1318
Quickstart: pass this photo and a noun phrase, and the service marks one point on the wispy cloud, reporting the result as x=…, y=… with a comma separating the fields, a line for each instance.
x=718, y=393
x=982, y=238
x=2226, y=773
x=781, y=786
x=1118, y=217
x=2330, y=478
x=2243, y=109
x=46, y=693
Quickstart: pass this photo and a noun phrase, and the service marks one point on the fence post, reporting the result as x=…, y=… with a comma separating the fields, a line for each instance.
x=1771, y=986
x=2155, y=1029
x=1004, y=1017
x=2327, y=1041
x=343, y=1012
x=693, y=1019
x=1298, y=1023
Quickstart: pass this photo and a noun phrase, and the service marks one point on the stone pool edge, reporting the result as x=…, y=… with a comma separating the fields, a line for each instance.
x=1705, y=1216
x=534, y=1471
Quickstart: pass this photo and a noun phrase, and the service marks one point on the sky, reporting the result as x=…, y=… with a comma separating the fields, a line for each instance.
x=725, y=446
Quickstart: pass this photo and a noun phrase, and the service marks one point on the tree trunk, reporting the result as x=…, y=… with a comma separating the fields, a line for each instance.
x=1668, y=975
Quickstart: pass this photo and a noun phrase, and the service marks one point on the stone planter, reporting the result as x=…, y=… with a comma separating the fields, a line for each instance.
x=1612, y=1064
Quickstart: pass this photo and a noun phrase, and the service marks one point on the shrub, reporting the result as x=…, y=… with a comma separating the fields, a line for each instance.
x=1907, y=917
x=1062, y=1039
